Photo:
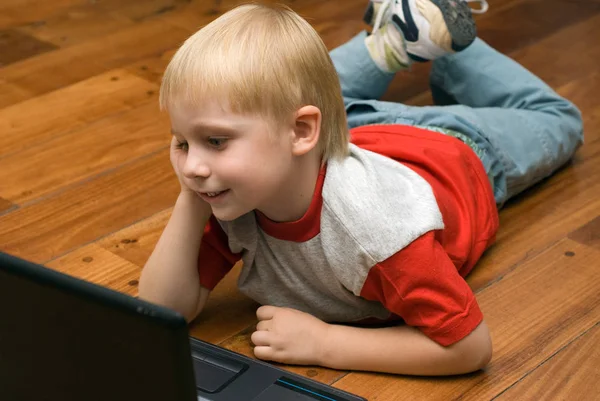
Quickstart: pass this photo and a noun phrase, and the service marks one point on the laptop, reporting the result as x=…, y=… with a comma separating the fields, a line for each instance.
x=65, y=339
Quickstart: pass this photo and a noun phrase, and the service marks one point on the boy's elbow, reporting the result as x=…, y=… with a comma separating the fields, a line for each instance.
x=483, y=357
x=480, y=349
x=475, y=351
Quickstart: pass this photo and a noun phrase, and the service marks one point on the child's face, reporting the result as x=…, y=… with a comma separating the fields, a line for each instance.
x=232, y=161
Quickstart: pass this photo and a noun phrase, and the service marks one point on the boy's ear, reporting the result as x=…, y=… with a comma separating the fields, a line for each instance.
x=307, y=130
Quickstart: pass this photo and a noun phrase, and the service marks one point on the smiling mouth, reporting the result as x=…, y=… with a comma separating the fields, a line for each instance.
x=213, y=194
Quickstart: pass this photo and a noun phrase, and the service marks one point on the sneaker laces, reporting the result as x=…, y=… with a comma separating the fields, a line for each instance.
x=385, y=8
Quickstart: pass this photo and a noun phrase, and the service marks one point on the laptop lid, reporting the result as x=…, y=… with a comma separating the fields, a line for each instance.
x=105, y=346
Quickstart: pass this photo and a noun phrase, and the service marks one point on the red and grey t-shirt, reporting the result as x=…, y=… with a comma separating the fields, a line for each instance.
x=390, y=233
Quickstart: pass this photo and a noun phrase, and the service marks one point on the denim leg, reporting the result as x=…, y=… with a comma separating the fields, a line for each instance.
x=360, y=77
x=533, y=130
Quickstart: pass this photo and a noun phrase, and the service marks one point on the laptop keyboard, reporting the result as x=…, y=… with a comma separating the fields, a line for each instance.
x=215, y=372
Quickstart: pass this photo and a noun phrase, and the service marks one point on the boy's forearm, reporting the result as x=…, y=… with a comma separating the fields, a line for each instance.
x=170, y=276
x=404, y=350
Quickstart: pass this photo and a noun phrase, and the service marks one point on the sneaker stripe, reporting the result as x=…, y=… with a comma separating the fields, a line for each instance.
x=411, y=34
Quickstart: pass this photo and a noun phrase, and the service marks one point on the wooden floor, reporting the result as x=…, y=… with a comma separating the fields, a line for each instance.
x=86, y=185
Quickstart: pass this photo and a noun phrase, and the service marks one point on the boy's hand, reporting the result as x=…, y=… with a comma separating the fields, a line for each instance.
x=288, y=336
x=176, y=154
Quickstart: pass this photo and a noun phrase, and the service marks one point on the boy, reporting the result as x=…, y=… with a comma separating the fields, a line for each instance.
x=381, y=230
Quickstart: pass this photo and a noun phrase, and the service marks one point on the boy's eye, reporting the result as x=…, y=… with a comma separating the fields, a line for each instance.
x=183, y=146
x=217, y=142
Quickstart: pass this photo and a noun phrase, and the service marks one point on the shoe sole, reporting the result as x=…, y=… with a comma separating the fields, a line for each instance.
x=459, y=20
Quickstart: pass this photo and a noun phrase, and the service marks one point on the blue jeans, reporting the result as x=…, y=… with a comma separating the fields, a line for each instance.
x=524, y=131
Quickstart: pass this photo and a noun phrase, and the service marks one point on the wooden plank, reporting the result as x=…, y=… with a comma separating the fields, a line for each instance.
x=589, y=234
x=77, y=25
x=532, y=20
x=95, y=264
x=140, y=10
x=75, y=63
x=5, y=206
x=547, y=57
x=44, y=117
x=12, y=93
x=581, y=92
x=15, y=46
x=108, y=143
x=572, y=374
x=19, y=12
x=136, y=242
x=532, y=313
x=151, y=68
x=84, y=213
x=191, y=18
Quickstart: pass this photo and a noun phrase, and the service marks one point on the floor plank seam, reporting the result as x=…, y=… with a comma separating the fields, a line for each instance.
x=527, y=258
x=81, y=127
x=583, y=333
x=101, y=174
x=9, y=210
x=95, y=240
x=344, y=374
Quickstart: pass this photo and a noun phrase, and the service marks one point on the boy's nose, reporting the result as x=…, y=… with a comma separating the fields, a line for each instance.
x=195, y=166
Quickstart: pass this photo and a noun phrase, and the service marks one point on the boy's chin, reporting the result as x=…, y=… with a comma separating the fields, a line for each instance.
x=227, y=215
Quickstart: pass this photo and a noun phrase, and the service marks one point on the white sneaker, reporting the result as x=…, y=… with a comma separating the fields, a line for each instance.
x=430, y=28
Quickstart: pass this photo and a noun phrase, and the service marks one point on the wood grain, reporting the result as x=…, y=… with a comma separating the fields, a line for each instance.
x=5, y=206
x=42, y=118
x=12, y=93
x=151, y=68
x=136, y=242
x=95, y=264
x=93, y=57
x=106, y=145
x=87, y=212
x=17, y=12
x=572, y=374
x=78, y=25
x=589, y=234
x=550, y=51
x=15, y=46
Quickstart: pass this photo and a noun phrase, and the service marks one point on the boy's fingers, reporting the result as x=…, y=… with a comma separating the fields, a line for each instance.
x=266, y=312
x=265, y=353
x=260, y=338
x=263, y=325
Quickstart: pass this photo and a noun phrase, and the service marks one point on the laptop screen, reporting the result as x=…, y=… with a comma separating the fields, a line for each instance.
x=66, y=339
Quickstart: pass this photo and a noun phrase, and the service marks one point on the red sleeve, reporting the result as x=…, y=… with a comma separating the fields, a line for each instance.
x=421, y=284
x=215, y=259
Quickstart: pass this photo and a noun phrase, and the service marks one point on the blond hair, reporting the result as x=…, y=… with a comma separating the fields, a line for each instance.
x=265, y=60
